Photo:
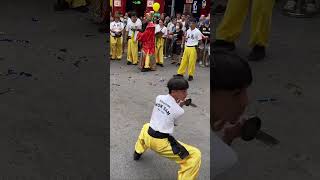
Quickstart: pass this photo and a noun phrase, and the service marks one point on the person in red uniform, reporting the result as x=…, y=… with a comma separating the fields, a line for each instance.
x=147, y=38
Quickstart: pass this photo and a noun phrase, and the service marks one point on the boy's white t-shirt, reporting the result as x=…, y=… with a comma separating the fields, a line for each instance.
x=165, y=112
x=116, y=26
x=193, y=37
x=164, y=30
x=139, y=22
x=223, y=156
x=131, y=25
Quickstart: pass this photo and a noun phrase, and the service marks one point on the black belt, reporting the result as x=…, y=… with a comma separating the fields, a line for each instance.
x=192, y=46
x=177, y=148
x=157, y=134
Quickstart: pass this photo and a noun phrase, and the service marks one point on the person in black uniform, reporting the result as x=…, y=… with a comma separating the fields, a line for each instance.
x=205, y=30
x=177, y=43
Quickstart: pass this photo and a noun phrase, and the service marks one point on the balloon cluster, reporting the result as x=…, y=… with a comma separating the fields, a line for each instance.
x=156, y=7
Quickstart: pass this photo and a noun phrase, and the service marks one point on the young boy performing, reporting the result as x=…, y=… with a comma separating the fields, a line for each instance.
x=189, y=57
x=132, y=27
x=116, y=28
x=156, y=135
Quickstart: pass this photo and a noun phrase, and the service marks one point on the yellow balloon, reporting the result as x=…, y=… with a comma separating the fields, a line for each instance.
x=156, y=7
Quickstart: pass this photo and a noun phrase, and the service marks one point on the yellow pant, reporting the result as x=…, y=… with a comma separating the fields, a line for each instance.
x=132, y=54
x=76, y=3
x=116, y=47
x=189, y=167
x=235, y=16
x=159, y=50
x=189, y=60
x=147, y=60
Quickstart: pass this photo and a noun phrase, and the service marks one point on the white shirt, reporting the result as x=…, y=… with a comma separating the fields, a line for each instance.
x=131, y=26
x=171, y=27
x=116, y=26
x=164, y=30
x=139, y=22
x=165, y=112
x=183, y=25
x=223, y=156
x=193, y=37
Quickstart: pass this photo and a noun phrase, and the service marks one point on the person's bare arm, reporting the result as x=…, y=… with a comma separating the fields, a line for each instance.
x=231, y=132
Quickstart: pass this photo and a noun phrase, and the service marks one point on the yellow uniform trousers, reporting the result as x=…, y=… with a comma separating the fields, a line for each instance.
x=132, y=54
x=189, y=60
x=235, y=16
x=76, y=3
x=159, y=50
x=116, y=47
x=147, y=61
x=189, y=167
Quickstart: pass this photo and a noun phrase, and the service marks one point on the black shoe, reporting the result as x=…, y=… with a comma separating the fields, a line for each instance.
x=136, y=156
x=224, y=45
x=161, y=65
x=129, y=63
x=144, y=69
x=178, y=75
x=135, y=64
x=82, y=9
x=257, y=53
x=190, y=78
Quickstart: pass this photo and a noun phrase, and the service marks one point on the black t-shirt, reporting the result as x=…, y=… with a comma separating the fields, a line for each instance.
x=205, y=31
x=179, y=36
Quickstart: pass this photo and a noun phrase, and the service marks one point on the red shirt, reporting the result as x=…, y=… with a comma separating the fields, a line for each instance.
x=148, y=39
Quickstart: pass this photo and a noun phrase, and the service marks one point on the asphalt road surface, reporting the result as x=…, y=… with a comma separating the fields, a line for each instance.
x=54, y=118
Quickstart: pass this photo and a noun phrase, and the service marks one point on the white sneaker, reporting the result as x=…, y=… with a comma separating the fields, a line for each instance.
x=200, y=63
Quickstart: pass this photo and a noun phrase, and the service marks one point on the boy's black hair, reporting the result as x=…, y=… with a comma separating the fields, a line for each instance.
x=177, y=83
x=193, y=20
x=229, y=72
x=133, y=13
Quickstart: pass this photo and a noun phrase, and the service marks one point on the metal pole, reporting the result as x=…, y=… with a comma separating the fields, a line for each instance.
x=172, y=8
